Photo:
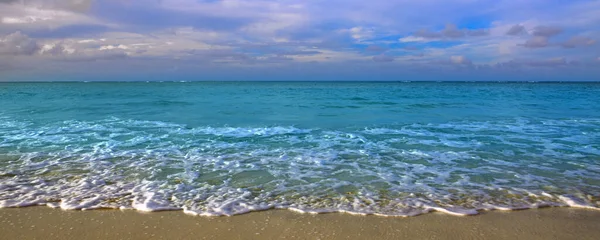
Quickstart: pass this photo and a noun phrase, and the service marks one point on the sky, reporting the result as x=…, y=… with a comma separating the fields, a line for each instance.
x=399, y=40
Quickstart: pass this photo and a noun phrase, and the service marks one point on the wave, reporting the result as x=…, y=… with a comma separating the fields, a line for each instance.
x=394, y=170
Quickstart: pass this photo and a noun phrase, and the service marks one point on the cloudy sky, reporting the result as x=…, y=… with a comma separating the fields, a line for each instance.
x=174, y=40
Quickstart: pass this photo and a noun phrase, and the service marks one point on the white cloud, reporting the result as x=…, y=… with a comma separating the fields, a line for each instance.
x=110, y=47
x=412, y=39
x=54, y=49
x=460, y=60
x=361, y=33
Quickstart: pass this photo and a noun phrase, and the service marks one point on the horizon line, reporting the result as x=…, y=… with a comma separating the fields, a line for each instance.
x=306, y=81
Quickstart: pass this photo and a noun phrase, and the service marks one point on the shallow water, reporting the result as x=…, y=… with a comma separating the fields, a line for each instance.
x=224, y=148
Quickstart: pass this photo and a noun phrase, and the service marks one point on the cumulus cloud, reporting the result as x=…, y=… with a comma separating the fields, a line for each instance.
x=578, y=41
x=478, y=32
x=413, y=39
x=361, y=33
x=573, y=42
x=18, y=44
x=516, y=30
x=450, y=31
x=536, y=42
x=383, y=58
x=53, y=49
x=427, y=34
x=546, y=31
x=553, y=62
x=278, y=58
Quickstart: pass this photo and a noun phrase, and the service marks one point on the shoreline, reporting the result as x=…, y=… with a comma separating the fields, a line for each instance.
x=545, y=223
x=570, y=203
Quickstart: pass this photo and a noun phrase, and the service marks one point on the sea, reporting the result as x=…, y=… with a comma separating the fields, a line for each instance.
x=227, y=148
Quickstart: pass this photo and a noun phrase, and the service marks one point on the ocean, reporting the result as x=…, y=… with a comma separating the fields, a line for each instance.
x=227, y=148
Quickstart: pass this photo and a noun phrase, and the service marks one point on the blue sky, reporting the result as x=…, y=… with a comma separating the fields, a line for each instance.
x=172, y=40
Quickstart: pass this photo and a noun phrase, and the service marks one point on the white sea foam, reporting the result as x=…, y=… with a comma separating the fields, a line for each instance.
x=459, y=168
x=573, y=201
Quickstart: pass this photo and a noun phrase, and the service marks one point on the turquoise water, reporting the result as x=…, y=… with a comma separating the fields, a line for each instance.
x=225, y=148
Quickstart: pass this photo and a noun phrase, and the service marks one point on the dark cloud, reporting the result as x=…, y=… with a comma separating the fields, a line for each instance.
x=536, y=42
x=520, y=63
x=573, y=42
x=383, y=58
x=516, y=30
x=546, y=31
x=451, y=31
x=427, y=34
x=454, y=62
x=277, y=49
x=18, y=44
x=578, y=41
x=230, y=55
x=112, y=54
x=478, y=32
x=548, y=63
x=226, y=56
x=273, y=47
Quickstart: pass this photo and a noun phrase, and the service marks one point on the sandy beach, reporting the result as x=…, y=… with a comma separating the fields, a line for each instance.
x=46, y=223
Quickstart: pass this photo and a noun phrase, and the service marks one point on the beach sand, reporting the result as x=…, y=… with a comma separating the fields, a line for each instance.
x=46, y=223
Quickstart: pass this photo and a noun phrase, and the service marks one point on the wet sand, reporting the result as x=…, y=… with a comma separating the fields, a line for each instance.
x=46, y=223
